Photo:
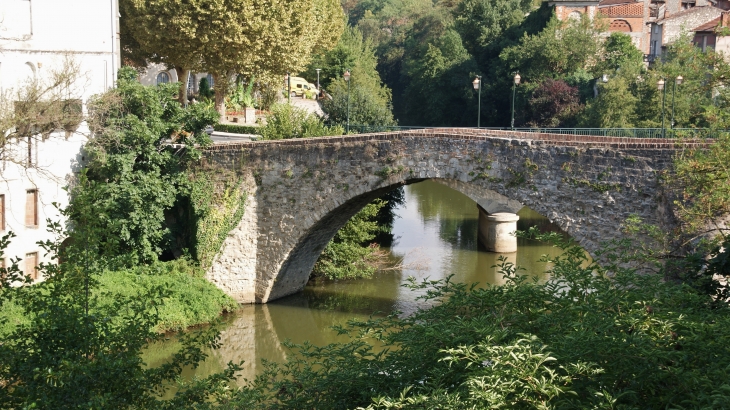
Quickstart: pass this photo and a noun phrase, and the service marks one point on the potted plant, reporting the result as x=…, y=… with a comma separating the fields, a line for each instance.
x=241, y=101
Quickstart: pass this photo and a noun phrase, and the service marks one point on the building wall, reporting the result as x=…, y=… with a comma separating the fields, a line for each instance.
x=655, y=39
x=564, y=12
x=35, y=37
x=672, y=27
x=722, y=45
x=149, y=76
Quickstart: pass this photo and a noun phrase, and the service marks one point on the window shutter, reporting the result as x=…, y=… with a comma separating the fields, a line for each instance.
x=31, y=265
x=2, y=212
x=31, y=207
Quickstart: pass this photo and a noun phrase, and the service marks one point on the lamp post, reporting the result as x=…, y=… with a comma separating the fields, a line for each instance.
x=288, y=91
x=318, y=92
x=660, y=86
x=477, y=83
x=347, y=79
x=677, y=81
x=515, y=83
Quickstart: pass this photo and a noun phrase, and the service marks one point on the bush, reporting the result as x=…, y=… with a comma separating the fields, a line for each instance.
x=204, y=89
x=82, y=347
x=192, y=300
x=287, y=121
x=349, y=254
x=591, y=337
x=237, y=129
x=553, y=104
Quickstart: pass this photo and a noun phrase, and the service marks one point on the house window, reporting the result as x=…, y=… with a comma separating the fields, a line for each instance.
x=163, y=78
x=210, y=80
x=2, y=212
x=31, y=265
x=32, y=152
x=31, y=208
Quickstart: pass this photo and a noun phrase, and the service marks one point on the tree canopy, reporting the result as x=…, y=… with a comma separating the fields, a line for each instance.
x=225, y=37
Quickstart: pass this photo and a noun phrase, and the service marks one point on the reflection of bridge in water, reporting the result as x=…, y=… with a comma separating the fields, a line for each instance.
x=436, y=232
x=302, y=191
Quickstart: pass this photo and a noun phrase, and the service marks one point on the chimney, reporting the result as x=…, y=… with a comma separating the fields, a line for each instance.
x=725, y=19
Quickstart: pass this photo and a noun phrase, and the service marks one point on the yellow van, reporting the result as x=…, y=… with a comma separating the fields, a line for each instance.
x=299, y=86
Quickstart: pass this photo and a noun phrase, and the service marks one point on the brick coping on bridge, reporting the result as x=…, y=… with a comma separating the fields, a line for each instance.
x=530, y=138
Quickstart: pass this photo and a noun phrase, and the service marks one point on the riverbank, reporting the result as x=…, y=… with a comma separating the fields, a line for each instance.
x=191, y=300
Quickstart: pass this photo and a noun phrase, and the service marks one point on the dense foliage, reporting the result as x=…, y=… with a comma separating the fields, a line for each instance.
x=369, y=101
x=429, y=52
x=225, y=37
x=191, y=299
x=350, y=253
x=287, y=121
x=82, y=347
x=590, y=337
x=133, y=175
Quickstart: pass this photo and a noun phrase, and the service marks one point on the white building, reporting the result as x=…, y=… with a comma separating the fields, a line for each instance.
x=158, y=73
x=35, y=37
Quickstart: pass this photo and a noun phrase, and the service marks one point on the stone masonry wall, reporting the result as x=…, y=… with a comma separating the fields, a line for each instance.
x=306, y=189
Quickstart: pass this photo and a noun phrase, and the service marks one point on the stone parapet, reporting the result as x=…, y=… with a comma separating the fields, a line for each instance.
x=306, y=189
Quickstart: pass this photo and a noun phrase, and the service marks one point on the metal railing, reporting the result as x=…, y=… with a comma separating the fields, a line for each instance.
x=601, y=132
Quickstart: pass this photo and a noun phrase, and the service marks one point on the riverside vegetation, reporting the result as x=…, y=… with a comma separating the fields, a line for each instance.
x=595, y=335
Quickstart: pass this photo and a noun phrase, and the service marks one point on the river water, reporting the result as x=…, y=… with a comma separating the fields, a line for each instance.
x=435, y=236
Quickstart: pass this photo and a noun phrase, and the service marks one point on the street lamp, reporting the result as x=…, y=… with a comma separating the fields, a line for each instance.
x=477, y=83
x=288, y=82
x=660, y=86
x=347, y=79
x=515, y=83
x=677, y=81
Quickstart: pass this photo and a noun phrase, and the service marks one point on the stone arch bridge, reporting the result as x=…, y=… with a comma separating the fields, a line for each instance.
x=301, y=191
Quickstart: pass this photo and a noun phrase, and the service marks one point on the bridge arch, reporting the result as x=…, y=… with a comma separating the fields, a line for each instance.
x=302, y=191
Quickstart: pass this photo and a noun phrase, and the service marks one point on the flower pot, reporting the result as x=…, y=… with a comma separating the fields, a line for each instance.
x=250, y=115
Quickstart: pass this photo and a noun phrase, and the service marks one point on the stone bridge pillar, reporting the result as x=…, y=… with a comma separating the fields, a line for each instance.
x=496, y=231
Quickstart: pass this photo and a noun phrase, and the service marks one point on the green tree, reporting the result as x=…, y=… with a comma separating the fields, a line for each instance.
x=204, y=90
x=560, y=49
x=349, y=254
x=482, y=22
x=614, y=107
x=226, y=37
x=78, y=353
x=440, y=85
x=133, y=175
x=619, y=51
x=369, y=99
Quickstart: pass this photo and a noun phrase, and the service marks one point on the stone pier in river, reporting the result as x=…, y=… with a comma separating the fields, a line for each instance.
x=301, y=191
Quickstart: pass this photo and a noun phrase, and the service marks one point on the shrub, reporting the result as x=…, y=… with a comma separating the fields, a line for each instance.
x=82, y=347
x=287, y=121
x=554, y=103
x=591, y=337
x=204, y=89
x=349, y=254
x=237, y=129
